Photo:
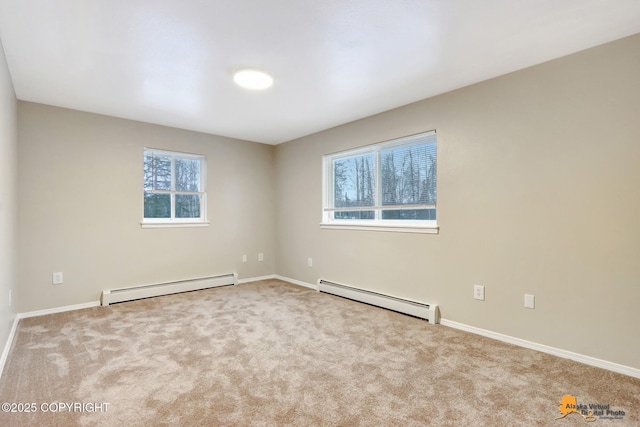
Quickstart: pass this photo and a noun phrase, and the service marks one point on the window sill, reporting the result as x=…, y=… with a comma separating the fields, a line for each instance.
x=382, y=227
x=174, y=224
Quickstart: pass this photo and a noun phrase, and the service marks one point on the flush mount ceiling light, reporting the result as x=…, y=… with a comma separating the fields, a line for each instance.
x=252, y=79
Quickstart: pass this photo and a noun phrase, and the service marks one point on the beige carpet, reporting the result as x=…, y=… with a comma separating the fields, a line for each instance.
x=270, y=353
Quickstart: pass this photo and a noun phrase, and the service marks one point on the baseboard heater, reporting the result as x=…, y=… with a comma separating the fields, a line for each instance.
x=112, y=296
x=429, y=312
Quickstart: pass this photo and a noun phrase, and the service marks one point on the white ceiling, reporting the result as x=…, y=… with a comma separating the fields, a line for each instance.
x=171, y=62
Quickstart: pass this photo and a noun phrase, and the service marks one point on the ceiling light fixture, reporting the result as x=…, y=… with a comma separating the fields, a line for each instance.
x=252, y=79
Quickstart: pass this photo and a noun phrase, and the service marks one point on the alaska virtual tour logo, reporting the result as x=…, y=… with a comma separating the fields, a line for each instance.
x=590, y=412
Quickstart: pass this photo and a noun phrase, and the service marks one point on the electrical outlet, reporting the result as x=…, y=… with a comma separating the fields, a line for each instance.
x=309, y=262
x=260, y=256
x=529, y=301
x=244, y=258
x=478, y=292
x=57, y=278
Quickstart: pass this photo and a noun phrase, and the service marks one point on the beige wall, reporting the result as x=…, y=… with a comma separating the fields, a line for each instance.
x=80, y=206
x=538, y=175
x=8, y=198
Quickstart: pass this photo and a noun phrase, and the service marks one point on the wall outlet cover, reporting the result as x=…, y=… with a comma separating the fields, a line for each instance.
x=529, y=301
x=57, y=278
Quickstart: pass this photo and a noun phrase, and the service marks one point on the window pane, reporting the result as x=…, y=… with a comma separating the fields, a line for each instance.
x=410, y=214
x=187, y=206
x=354, y=215
x=409, y=175
x=354, y=181
x=157, y=172
x=187, y=175
x=157, y=205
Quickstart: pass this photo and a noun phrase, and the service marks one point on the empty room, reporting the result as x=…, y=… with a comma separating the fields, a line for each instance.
x=329, y=213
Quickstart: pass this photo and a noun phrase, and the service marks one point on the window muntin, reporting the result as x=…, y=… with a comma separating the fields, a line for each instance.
x=174, y=187
x=387, y=184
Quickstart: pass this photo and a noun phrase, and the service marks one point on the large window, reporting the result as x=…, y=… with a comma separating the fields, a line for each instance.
x=389, y=186
x=174, y=188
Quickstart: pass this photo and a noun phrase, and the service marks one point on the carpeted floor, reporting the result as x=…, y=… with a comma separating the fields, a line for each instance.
x=270, y=353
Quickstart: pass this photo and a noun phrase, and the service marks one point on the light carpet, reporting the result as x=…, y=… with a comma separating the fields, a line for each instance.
x=269, y=353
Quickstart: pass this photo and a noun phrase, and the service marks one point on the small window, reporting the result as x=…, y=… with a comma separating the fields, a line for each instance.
x=174, y=188
x=389, y=186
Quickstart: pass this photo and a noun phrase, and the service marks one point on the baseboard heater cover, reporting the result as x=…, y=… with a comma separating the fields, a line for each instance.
x=429, y=312
x=112, y=296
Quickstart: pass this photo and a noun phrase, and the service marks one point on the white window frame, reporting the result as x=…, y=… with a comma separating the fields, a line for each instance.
x=377, y=224
x=201, y=221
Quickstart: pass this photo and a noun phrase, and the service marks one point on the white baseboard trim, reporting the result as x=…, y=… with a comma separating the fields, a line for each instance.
x=58, y=309
x=283, y=278
x=297, y=282
x=7, y=345
x=565, y=354
x=256, y=279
